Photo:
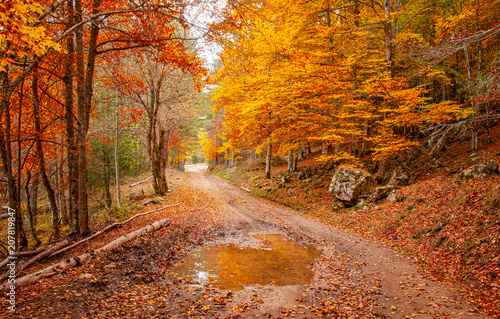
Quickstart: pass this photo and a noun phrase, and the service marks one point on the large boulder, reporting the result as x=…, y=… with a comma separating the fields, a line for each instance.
x=480, y=170
x=348, y=183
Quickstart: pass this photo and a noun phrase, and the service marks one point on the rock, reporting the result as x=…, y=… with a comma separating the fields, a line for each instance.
x=435, y=163
x=337, y=205
x=399, y=178
x=135, y=196
x=304, y=174
x=392, y=196
x=348, y=183
x=149, y=201
x=480, y=170
x=86, y=277
x=382, y=192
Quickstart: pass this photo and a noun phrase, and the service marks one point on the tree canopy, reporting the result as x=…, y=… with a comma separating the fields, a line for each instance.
x=361, y=77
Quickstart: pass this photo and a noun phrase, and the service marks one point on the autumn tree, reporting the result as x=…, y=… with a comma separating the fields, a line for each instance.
x=21, y=36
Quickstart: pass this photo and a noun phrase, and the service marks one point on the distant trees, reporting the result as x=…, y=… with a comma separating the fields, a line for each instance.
x=162, y=96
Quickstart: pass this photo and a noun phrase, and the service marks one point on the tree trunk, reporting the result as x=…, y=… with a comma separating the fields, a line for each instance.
x=389, y=38
x=31, y=189
x=33, y=199
x=366, y=128
x=474, y=141
x=268, y=159
x=85, y=92
x=382, y=167
x=292, y=161
x=81, y=259
x=69, y=118
x=107, y=183
x=83, y=218
x=80, y=133
x=19, y=144
x=324, y=148
x=289, y=161
x=157, y=144
x=41, y=159
x=117, y=166
x=159, y=162
x=61, y=189
x=20, y=240
x=355, y=145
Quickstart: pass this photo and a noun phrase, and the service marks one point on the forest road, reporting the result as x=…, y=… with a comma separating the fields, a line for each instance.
x=354, y=277
x=308, y=270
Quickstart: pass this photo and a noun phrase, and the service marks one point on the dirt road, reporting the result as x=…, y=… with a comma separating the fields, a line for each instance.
x=353, y=277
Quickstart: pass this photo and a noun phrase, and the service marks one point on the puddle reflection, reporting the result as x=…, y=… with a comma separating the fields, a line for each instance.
x=280, y=261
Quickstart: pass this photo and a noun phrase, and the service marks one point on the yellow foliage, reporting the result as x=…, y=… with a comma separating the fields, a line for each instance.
x=318, y=72
x=19, y=36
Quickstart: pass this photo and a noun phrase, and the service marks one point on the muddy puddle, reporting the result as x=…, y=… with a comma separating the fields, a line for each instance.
x=275, y=260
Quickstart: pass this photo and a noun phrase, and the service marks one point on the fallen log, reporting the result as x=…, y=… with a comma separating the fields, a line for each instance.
x=38, y=257
x=130, y=236
x=79, y=260
x=21, y=254
x=33, y=252
x=85, y=240
x=140, y=182
x=43, y=254
x=246, y=189
x=115, y=225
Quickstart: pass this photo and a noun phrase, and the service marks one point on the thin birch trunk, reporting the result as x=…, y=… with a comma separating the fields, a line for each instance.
x=117, y=166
